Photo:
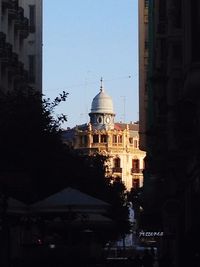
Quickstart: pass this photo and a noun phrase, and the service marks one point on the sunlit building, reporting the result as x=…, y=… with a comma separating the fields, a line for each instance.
x=20, y=44
x=118, y=141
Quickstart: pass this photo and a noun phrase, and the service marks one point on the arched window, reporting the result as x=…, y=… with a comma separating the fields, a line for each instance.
x=115, y=139
x=120, y=139
x=135, y=165
x=117, y=163
x=103, y=138
x=135, y=143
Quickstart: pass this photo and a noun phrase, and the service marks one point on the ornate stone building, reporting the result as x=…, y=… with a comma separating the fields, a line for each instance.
x=119, y=141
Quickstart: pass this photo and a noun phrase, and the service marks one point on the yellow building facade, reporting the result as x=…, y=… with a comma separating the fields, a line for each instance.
x=118, y=141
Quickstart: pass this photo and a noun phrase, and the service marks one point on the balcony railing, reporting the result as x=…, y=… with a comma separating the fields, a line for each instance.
x=136, y=170
x=117, y=169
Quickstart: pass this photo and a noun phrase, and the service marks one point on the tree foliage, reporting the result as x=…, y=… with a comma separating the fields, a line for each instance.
x=35, y=163
x=30, y=139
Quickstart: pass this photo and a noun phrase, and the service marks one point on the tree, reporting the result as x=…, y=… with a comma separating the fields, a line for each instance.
x=36, y=163
x=30, y=142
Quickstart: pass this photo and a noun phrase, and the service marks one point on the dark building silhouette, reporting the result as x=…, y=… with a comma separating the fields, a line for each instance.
x=20, y=44
x=170, y=123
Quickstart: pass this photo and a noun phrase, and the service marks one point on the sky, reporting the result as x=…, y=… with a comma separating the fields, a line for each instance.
x=84, y=40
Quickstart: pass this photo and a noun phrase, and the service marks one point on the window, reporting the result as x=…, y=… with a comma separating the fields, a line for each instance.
x=116, y=163
x=146, y=45
x=136, y=183
x=31, y=59
x=146, y=3
x=83, y=140
x=114, y=139
x=32, y=18
x=103, y=138
x=135, y=165
x=120, y=139
x=135, y=143
x=131, y=140
x=146, y=88
x=95, y=138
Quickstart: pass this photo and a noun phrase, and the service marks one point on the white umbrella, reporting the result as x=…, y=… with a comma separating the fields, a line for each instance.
x=70, y=199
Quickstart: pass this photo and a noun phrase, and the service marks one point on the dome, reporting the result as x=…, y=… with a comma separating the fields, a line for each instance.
x=102, y=103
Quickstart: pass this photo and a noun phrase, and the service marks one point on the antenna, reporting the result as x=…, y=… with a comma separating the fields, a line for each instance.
x=101, y=87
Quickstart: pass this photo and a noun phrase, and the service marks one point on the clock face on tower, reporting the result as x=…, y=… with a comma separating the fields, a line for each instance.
x=107, y=119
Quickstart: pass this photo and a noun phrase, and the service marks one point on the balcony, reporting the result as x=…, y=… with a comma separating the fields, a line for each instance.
x=6, y=53
x=10, y=61
x=24, y=30
x=12, y=14
x=117, y=169
x=13, y=10
x=117, y=144
x=136, y=170
x=21, y=25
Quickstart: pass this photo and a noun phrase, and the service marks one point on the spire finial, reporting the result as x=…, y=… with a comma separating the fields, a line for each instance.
x=101, y=87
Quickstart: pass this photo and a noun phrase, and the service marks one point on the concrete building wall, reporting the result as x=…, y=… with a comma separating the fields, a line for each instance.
x=20, y=44
x=33, y=43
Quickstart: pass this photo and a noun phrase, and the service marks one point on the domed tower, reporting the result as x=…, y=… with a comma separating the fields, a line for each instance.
x=102, y=113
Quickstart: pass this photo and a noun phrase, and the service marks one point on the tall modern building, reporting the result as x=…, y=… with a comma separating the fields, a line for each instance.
x=171, y=125
x=20, y=44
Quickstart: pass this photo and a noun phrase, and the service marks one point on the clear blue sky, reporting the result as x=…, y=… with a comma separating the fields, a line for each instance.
x=84, y=40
